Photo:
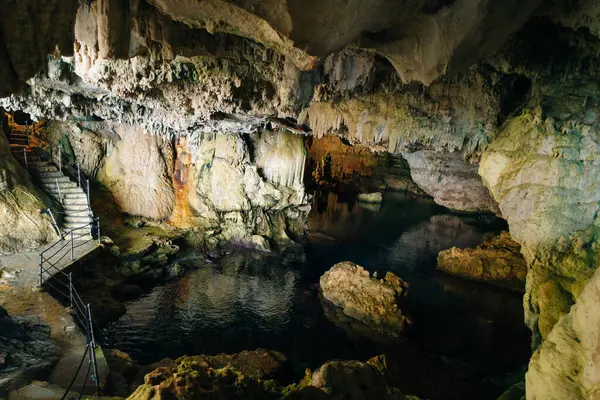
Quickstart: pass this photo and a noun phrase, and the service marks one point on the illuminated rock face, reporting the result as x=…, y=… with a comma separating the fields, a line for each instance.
x=503, y=125
x=23, y=226
x=239, y=185
x=422, y=39
x=374, y=302
x=497, y=260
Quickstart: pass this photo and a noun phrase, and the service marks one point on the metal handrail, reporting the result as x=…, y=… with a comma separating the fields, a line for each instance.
x=73, y=169
x=49, y=211
x=81, y=310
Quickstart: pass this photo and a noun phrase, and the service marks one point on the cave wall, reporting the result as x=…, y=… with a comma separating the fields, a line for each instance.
x=230, y=187
x=524, y=118
x=23, y=225
x=30, y=31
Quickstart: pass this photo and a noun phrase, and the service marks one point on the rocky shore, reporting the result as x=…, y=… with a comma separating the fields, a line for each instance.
x=254, y=374
x=26, y=350
x=497, y=261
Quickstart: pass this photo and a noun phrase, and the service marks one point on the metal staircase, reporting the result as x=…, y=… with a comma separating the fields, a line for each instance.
x=58, y=175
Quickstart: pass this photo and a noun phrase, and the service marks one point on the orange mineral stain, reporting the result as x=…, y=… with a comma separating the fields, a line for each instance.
x=182, y=215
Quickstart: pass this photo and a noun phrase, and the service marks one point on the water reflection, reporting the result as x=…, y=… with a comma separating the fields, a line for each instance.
x=248, y=300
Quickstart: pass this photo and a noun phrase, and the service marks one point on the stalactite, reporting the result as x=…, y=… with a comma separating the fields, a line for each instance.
x=282, y=158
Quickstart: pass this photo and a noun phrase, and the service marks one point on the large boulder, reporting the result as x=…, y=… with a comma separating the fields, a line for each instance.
x=350, y=380
x=246, y=375
x=497, y=261
x=373, y=301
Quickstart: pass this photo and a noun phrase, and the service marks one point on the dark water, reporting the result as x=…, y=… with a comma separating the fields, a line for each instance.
x=465, y=335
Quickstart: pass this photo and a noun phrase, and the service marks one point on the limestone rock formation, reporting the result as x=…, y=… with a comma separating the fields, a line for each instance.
x=543, y=171
x=247, y=375
x=450, y=180
x=23, y=225
x=341, y=379
x=422, y=39
x=250, y=375
x=30, y=31
x=367, y=299
x=232, y=185
x=497, y=261
x=375, y=197
x=137, y=170
x=566, y=364
x=189, y=72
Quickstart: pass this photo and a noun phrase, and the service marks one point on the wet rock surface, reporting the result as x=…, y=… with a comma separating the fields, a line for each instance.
x=251, y=375
x=365, y=298
x=497, y=261
x=247, y=375
x=26, y=350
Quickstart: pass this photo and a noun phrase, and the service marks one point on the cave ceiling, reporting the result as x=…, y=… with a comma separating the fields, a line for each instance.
x=422, y=39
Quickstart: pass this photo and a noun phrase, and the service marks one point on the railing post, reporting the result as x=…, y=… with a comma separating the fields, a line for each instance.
x=98, y=228
x=59, y=159
x=78, y=176
x=54, y=221
x=89, y=198
x=72, y=257
x=25, y=155
x=71, y=289
x=58, y=190
x=41, y=269
x=92, y=347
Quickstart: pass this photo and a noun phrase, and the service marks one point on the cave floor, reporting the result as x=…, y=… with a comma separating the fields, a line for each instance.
x=23, y=269
x=20, y=301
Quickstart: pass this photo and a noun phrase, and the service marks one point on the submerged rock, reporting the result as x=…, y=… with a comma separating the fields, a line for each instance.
x=376, y=197
x=497, y=260
x=355, y=328
x=365, y=298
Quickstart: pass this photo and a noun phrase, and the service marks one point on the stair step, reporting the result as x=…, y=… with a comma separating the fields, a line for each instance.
x=82, y=201
x=68, y=190
x=82, y=220
x=81, y=229
x=70, y=193
x=49, y=173
x=46, y=168
x=51, y=184
x=30, y=156
x=74, y=208
x=52, y=179
x=83, y=213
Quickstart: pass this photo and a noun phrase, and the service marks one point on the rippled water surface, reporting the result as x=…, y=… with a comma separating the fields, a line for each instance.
x=464, y=333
